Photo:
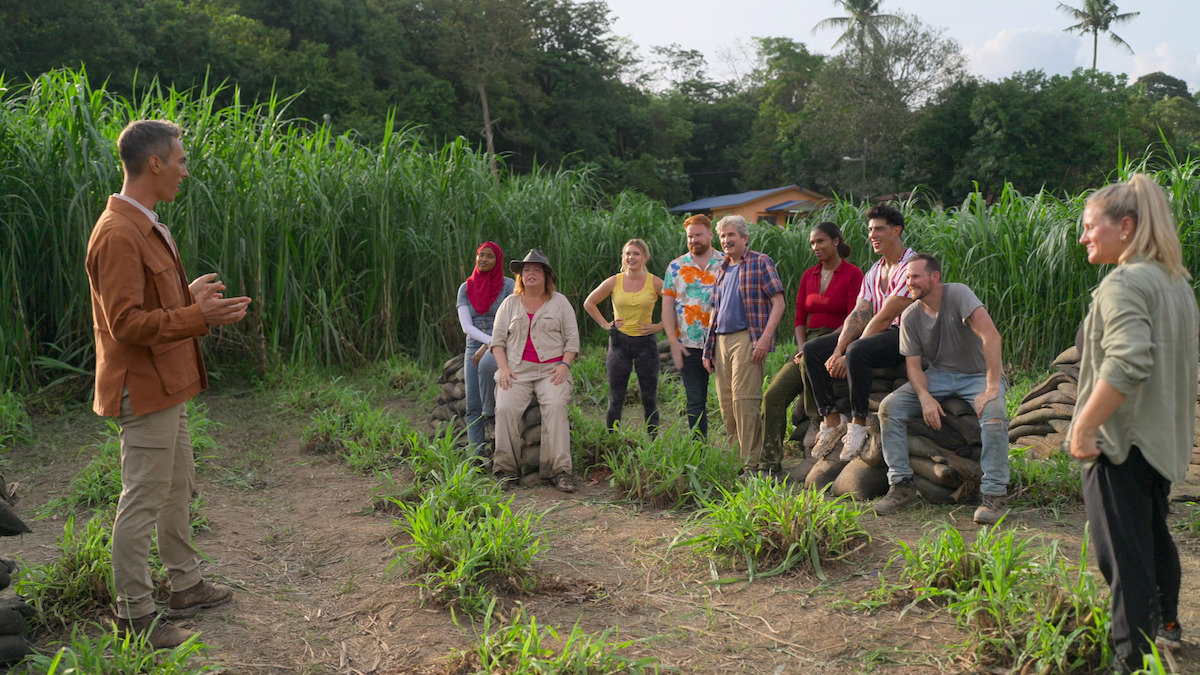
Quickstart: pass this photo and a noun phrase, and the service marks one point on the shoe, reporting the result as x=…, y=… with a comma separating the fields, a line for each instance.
x=201, y=596
x=1169, y=636
x=898, y=496
x=827, y=438
x=563, y=482
x=992, y=510
x=159, y=633
x=507, y=478
x=854, y=443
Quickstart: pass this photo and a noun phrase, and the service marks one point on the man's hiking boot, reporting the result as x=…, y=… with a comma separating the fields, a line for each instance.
x=898, y=496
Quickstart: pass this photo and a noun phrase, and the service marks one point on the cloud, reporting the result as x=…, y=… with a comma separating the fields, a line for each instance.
x=1021, y=49
x=1178, y=63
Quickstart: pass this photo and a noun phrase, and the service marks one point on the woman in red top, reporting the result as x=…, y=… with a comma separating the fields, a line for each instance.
x=827, y=293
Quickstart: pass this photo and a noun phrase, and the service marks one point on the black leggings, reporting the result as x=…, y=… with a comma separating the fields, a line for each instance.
x=881, y=350
x=626, y=353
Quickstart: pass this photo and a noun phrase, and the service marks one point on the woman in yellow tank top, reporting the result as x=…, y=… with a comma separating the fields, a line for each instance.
x=631, y=343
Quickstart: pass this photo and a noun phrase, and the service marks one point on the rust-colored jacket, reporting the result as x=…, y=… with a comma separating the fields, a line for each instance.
x=146, y=322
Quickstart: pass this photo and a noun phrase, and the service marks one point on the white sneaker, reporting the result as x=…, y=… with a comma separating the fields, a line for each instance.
x=828, y=437
x=855, y=442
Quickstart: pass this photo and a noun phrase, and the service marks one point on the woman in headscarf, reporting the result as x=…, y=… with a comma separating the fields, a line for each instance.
x=1134, y=420
x=478, y=299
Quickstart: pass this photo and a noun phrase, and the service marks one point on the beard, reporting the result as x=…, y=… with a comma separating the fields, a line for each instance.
x=699, y=248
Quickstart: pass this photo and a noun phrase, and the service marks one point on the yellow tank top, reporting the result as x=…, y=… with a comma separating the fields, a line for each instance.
x=636, y=307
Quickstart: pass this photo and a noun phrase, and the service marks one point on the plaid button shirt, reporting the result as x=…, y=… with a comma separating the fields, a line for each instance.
x=758, y=282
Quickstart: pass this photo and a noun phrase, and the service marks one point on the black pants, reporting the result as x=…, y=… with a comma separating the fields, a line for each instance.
x=881, y=350
x=1127, y=515
x=625, y=354
x=695, y=388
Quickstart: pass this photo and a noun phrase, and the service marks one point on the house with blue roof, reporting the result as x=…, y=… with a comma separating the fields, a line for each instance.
x=776, y=206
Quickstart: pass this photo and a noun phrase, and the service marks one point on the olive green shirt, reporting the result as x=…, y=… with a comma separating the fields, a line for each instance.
x=1142, y=336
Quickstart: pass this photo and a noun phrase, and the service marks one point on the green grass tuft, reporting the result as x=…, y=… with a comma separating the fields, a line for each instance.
x=75, y=587
x=673, y=470
x=108, y=653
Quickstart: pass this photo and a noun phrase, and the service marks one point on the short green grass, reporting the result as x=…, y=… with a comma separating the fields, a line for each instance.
x=104, y=652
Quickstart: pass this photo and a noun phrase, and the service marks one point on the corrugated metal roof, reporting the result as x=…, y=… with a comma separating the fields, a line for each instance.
x=794, y=205
x=710, y=203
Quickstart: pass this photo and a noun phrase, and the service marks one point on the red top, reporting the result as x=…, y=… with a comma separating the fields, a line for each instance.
x=828, y=310
x=530, y=354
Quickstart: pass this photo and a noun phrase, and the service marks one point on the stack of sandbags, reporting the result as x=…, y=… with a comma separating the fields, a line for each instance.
x=450, y=406
x=1045, y=413
x=14, y=611
x=945, y=461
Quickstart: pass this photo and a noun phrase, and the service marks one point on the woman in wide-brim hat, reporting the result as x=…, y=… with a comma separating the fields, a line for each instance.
x=534, y=339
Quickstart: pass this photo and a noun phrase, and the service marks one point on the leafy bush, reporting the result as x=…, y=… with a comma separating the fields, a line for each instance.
x=523, y=646
x=1026, y=608
x=772, y=529
x=111, y=654
x=673, y=470
x=15, y=425
x=78, y=585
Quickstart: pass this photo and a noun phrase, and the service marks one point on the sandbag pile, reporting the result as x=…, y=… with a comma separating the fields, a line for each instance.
x=450, y=407
x=1045, y=413
x=665, y=363
x=14, y=611
x=945, y=461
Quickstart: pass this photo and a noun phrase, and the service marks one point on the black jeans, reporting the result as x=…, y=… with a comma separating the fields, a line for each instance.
x=1127, y=517
x=625, y=354
x=695, y=388
x=881, y=350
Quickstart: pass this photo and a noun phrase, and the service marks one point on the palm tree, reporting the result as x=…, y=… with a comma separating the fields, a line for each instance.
x=1095, y=17
x=861, y=24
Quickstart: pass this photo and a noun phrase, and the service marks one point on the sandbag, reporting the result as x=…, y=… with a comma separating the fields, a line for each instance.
x=946, y=437
x=11, y=621
x=966, y=425
x=958, y=407
x=873, y=453
x=860, y=481
x=1060, y=426
x=1070, y=370
x=455, y=363
x=1029, y=430
x=824, y=471
x=1048, y=384
x=532, y=435
x=1059, y=411
x=13, y=648
x=1037, y=445
x=932, y=492
x=939, y=473
x=1069, y=355
x=1070, y=390
x=891, y=373
x=1052, y=396
x=533, y=415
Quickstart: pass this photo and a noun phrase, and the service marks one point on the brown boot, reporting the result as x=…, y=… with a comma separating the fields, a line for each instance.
x=201, y=596
x=160, y=634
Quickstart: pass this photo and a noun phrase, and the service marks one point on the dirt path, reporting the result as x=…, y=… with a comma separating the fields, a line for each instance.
x=296, y=535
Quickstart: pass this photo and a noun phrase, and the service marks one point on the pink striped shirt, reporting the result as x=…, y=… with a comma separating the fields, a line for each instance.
x=896, y=284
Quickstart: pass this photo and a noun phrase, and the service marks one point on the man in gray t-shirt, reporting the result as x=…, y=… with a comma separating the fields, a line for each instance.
x=951, y=348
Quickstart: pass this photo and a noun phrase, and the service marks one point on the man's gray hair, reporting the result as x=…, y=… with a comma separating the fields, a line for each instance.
x=734, y=221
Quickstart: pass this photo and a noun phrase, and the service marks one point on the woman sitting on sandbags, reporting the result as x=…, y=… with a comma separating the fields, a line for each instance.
x=535, y=339
x=826, y=294
x=478, y=299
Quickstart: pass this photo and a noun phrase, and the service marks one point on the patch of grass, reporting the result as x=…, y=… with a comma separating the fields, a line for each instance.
x=1024, y=605
x=524, y=646
x=592, y=442
x=1191, y=518
x=673, y=470
x=407, y=377
x=201, y=426
x=97, y=486
x=772, y=529
x=75, y=587
x=589, y=377
x=462, y=557
x=110, y=654
x=1019, y=385
x=15, y=425
x=366, y=437
x=1054, y=481
x=440, y=472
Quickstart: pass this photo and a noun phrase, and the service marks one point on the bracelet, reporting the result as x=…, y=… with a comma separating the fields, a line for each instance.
x=566, y=364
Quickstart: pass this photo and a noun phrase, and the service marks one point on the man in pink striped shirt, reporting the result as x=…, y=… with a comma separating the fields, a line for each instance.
x=869, y=338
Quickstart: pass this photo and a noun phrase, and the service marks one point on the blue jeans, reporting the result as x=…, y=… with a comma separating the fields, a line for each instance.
x=903, y=404
x=481, y=392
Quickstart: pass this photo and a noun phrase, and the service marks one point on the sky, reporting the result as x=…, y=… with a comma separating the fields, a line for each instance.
x=999, y=37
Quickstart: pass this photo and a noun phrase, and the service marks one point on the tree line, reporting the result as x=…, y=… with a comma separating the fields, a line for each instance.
x=546, y=83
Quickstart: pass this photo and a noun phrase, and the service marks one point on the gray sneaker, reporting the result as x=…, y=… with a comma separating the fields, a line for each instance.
x=898, y=496
x=992, y=510
x=827, y=438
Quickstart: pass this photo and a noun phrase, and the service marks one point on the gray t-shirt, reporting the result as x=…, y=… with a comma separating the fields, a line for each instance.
x=944, y=341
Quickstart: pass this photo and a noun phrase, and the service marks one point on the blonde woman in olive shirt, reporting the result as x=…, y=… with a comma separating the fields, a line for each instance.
x=631, y=343
x=1135, y=417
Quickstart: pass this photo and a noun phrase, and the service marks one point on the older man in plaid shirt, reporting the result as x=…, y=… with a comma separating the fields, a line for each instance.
x=747, y=306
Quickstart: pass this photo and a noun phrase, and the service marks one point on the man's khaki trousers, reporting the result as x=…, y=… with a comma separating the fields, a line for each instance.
x=157, y=474
x=739, y=391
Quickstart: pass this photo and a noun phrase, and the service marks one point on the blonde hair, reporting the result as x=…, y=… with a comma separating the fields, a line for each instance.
x=638, y=243
x=1154, y=233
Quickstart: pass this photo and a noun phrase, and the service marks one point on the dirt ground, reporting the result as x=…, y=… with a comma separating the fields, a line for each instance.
x=295, y=534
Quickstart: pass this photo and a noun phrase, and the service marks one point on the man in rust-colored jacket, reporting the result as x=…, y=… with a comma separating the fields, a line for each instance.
x=148, y=319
